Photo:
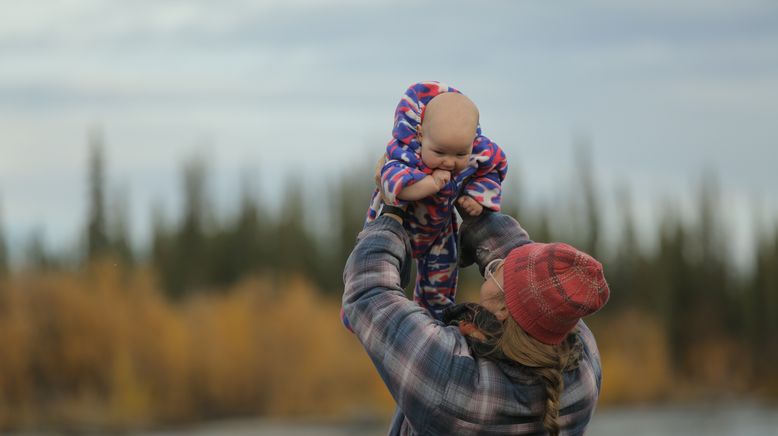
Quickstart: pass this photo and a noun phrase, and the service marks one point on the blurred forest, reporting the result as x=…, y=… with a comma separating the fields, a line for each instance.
x=238, y=316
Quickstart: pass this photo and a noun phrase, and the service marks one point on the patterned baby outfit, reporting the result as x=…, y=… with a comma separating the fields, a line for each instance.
x=431, y=221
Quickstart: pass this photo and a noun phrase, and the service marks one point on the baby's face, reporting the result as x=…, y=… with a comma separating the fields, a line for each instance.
x=447, y=149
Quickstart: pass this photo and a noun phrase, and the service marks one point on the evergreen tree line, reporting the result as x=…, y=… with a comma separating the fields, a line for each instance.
x=689, y=280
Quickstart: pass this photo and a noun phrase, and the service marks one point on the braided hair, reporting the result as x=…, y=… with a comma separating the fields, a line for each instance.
x=507, y=342
x=547, y=362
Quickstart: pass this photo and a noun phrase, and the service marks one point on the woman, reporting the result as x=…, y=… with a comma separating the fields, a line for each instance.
x=521, y=362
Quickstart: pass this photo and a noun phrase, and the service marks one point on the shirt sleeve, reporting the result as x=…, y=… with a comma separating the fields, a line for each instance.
x=412, y=352
x=396, y=176
x=486, y=184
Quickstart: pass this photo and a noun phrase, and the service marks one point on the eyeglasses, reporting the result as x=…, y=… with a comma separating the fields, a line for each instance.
x=492, y=268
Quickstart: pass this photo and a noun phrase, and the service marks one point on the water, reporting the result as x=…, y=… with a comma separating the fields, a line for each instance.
x=741, y=419
x=736, y=419
x=733, y=419
x=274, y=428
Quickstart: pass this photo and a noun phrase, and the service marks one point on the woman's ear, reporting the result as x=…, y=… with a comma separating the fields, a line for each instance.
x=502, y=313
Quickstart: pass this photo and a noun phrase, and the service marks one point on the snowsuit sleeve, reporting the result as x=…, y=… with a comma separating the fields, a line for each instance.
x=485, y=186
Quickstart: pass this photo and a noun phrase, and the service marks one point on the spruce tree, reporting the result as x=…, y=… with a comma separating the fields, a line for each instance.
x=4, y=267
x=97, y=236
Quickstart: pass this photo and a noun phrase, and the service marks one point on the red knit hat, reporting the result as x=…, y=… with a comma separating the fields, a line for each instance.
x=549, y=287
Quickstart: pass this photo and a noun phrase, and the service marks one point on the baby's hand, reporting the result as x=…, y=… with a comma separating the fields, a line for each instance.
x=469, y=205
x=427, y=186
x=441, y=178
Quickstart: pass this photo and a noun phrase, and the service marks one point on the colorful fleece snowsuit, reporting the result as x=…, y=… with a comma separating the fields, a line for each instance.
x=431, y=221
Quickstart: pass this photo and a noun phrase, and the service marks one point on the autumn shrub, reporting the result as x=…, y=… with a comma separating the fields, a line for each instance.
x=103, y=349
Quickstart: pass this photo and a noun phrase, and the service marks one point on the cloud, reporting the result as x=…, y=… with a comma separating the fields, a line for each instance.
x=661, y=87
x=95, y=23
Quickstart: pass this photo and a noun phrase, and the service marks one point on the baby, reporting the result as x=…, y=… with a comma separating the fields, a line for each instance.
x=437, y=156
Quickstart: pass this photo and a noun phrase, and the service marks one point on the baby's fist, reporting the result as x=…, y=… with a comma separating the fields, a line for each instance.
x=441, y=177
x=469, y=205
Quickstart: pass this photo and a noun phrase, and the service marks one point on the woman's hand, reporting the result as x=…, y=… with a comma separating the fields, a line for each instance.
x=378, y=167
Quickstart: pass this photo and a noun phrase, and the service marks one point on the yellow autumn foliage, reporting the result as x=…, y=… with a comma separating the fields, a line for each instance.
x=103, y=349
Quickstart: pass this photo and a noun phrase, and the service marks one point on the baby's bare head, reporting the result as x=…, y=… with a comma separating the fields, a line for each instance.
x=448, y=131
x=450, y=118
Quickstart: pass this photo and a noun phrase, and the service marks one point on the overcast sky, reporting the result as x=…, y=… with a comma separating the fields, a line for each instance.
x=662, y=89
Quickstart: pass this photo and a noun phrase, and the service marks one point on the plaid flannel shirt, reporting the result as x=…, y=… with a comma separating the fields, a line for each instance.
x=439, y=387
